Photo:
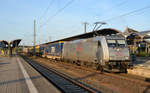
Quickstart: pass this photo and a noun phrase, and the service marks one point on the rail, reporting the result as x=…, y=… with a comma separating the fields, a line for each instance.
x=61, y=81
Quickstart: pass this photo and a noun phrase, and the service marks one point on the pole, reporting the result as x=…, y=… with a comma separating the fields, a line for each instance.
x=49, y=38
x=34, y=37
x=23, y=48
x=39, y=42
x=85, y=24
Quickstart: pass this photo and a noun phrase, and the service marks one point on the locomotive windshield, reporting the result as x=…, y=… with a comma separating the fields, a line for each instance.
x=111, y=43
x=114, y=43
x=121, y=42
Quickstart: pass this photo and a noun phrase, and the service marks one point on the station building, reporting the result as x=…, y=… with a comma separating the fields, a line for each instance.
x=138, y=41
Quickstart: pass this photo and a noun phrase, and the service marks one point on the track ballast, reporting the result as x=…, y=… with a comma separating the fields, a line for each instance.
x=61, y=81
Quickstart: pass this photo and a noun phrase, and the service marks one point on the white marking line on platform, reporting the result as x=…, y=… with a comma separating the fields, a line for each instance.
x=28, y=80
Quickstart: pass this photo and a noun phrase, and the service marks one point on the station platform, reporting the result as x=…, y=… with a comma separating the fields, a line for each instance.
x=141, y=67
x=17, y=76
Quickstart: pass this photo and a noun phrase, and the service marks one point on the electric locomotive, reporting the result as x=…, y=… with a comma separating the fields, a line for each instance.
x=103, y=52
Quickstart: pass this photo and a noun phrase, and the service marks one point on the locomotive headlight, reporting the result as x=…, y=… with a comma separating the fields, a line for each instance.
x=111, y=57
x=126, y=57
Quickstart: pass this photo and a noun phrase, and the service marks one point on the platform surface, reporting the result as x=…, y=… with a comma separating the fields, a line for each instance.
x=17, y=76
x=143, y=62
x=141, y=67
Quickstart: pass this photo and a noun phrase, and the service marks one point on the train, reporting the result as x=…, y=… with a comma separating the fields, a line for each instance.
x=53, y=50
x=30, y=50
x=103, y=52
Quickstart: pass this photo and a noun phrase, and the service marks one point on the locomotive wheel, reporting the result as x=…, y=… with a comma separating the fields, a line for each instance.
x=99, y=67
x=124, y=70
x=78, y=63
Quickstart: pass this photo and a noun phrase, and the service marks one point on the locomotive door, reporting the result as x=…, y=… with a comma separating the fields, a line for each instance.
x=104, y=51
x=98, y=54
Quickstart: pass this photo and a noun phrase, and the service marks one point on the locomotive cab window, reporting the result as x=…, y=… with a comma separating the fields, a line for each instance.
x=111, y=43
x=121, y=43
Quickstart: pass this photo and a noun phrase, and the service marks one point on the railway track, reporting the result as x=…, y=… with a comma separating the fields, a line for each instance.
x=121, y=76
x=61, y=81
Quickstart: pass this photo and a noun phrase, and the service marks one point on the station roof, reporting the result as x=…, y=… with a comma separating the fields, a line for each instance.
x=106, y=31
x=4, y=42
x=15, y=43
x=144, y=33
x=130, y=33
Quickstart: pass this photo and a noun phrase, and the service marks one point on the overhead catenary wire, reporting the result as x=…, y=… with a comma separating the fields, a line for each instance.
x=60, y=10
x=46, y=10
x=129, y=13
x=113, y=18
x=121, y=3
x=111, y=8
x=51, y=17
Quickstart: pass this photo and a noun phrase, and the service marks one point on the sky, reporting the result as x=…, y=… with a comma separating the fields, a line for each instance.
x=54, y=22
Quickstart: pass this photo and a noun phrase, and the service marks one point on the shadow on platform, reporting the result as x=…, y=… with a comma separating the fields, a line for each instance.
x=19, y=80
x=3, y=63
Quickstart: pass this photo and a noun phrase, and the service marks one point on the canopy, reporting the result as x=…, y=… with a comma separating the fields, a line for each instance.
x=15, y=43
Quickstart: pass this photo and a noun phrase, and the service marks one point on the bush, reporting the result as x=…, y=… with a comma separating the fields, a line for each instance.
x=142, y=54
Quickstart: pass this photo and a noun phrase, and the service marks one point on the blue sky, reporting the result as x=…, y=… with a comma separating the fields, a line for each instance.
x=16, y=17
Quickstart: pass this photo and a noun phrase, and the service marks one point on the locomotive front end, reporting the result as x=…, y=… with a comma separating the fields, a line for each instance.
x=119, y=56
